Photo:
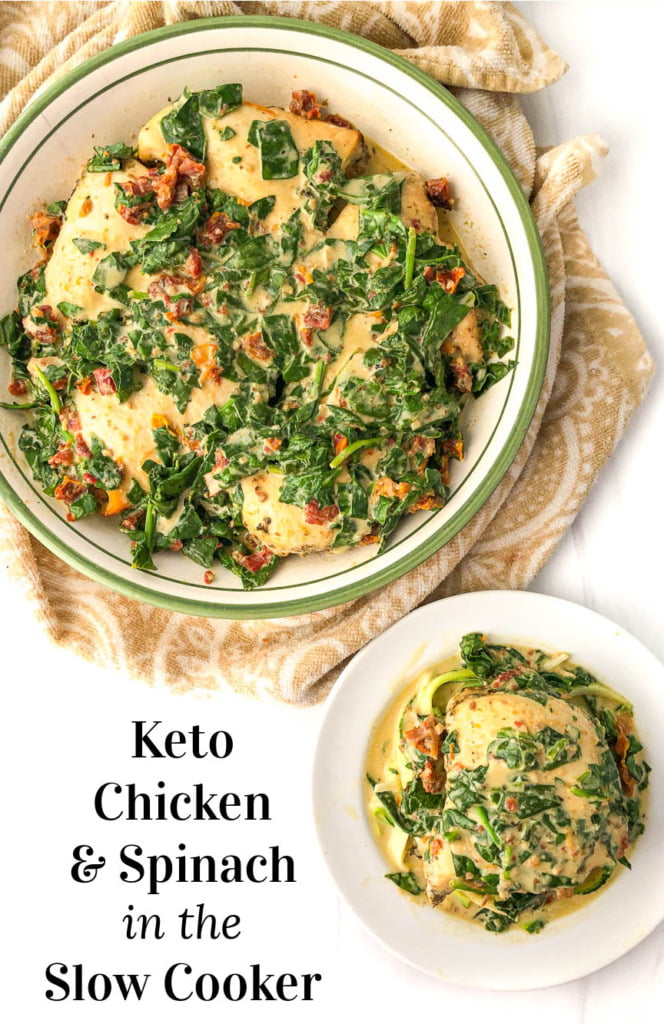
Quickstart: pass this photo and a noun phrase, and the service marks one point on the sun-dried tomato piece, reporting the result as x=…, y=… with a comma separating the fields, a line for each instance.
x=254, y=562
x=431, y=778
x=70, y=419
x=438, y=191
x=621, y=747
x=215, y=229
x=505, y=677
x=426, y=503
x=182, y=172
x=425, y=737
x=69, y=490
x=104, y=381
x=193, y=265
x=453, y=446
x=178, y=310
x=388, y=488
x=220, y=460
x=317, y=317
x=142, y=186
x=45, y=229
x=81, y=448
x=339, y=121
x=255, y=347
x=47, y=312
x=305, y=104
x=137, y=188
x=340, y=443
x=18, y=387
x=41, y=330
x=317, y=516
x=133, y=214
x=133, y=520
x=449, y=279
x=63, y=457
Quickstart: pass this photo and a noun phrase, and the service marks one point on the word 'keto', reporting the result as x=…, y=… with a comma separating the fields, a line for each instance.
x=194, y=741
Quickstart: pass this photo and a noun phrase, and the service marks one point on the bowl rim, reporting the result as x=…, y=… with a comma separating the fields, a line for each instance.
x=449, y=529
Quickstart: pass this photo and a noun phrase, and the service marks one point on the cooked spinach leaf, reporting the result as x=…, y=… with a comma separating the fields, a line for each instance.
x=407, y=881
x=279, y=154
x=109, y=158
x=183, y=125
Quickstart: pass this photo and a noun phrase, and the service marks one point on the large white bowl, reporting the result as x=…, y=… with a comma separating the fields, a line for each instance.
x=610, y=924
x=108, y=98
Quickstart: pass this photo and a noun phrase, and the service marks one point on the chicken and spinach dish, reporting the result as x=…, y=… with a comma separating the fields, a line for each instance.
x=242, y=344
x=507, y=787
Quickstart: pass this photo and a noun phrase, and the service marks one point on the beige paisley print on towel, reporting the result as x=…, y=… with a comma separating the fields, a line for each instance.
x=598, y=370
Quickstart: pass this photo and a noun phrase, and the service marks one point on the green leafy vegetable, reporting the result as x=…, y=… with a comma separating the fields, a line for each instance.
x=279, y=154
x=183, y=125
x=109, y=158
x=226, y=133
x=86, y=245
x=407, y=881
x=220, y=101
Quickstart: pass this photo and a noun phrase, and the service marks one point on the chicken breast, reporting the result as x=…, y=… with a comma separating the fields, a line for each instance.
x=464, y=340
x=282, y=528
x=417, y=211
x=233, y=164
x=92, y=229
x=532, y=798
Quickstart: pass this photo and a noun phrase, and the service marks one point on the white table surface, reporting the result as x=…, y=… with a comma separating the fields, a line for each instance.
x=66, y=726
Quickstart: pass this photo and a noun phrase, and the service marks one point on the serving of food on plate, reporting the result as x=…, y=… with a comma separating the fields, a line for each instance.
x=494, y=816
x=246, y=339
x=506, y=785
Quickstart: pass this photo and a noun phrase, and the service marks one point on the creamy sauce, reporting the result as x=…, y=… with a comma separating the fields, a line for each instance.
x=356, y=339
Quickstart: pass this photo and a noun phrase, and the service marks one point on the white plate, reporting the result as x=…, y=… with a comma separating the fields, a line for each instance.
x=107, y=99
x=610, y=924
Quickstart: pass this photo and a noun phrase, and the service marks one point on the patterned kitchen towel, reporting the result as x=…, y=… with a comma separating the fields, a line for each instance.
x=598, y=370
